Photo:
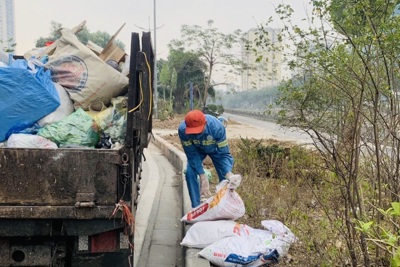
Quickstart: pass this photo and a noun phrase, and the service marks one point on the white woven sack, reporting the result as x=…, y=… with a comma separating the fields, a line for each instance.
x=226, y=204
x=259, y=248
x=202, y=234
x=19, y=140
x=65, y=108
x=236, y=250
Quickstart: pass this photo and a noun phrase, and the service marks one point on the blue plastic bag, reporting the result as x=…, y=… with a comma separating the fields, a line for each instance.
x=24, y=97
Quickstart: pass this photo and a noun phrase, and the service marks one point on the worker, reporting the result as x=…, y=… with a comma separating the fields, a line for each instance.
x=204, y=135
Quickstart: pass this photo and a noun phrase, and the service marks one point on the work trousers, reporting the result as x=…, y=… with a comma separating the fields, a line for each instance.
x=193, y=182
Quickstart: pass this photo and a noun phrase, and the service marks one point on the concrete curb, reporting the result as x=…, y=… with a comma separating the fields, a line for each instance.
x=178, y=160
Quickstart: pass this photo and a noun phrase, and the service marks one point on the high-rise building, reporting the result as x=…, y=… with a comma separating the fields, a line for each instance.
x=7, y=23
x=265, y=66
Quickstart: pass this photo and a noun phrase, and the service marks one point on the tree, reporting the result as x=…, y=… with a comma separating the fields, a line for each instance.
x=54, y=34
x=100, y=38
x=214, y=48
x=84, y=36
x=181, y=69
x=8, y=45
x=344, y=94
x=165, y=77
x=165, y=81
x=343, y=12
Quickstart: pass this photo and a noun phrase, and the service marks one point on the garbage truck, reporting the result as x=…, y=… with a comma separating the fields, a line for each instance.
x=76, y=206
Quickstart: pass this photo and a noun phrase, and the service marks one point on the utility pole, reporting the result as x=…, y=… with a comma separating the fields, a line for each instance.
x=191, y=95
x=155, y=64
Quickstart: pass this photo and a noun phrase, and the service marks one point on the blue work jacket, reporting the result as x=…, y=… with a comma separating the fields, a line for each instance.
x=212, y=142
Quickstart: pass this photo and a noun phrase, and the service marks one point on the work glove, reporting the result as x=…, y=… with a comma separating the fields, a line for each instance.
x=228, y=174
x=234, y=180
x=204, y=186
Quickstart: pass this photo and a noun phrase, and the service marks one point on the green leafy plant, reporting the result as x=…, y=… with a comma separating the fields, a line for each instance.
x=386, y=233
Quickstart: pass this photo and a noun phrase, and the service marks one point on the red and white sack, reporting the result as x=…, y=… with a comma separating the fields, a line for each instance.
x=202, y=234
x=240, y=251
x=261, y=247
x=226, y=204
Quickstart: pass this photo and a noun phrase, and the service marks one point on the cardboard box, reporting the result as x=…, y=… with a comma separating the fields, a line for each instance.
x=112, y=51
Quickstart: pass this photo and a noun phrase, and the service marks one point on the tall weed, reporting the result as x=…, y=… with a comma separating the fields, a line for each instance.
x=289, y=183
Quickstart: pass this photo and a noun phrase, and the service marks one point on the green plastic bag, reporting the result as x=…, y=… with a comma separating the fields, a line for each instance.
x=78, y=129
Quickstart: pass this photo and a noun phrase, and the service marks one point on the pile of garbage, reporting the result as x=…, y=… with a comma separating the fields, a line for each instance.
x=64, y=95
x=225, y=242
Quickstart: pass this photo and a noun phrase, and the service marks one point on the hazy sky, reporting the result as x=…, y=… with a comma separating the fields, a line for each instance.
x=33, y=17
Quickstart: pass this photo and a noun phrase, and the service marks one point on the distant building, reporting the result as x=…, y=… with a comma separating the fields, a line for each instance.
x=7, y=22
x=266, y=72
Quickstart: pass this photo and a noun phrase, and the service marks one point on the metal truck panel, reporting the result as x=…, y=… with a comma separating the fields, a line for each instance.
x=60, y=177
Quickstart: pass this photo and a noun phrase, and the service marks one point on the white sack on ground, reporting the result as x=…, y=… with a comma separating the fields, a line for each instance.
x=260, y=248
x=226, y=204
x=239, y=251
x=202, y=234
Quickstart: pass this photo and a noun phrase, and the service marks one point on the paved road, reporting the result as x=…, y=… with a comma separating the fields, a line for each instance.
x=289, y=134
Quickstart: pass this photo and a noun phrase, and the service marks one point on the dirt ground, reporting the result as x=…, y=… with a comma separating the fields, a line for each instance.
x=168, y=130
x=234, y=129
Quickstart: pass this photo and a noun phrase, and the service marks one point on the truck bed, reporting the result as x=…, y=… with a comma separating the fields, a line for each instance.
x=57, y=183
